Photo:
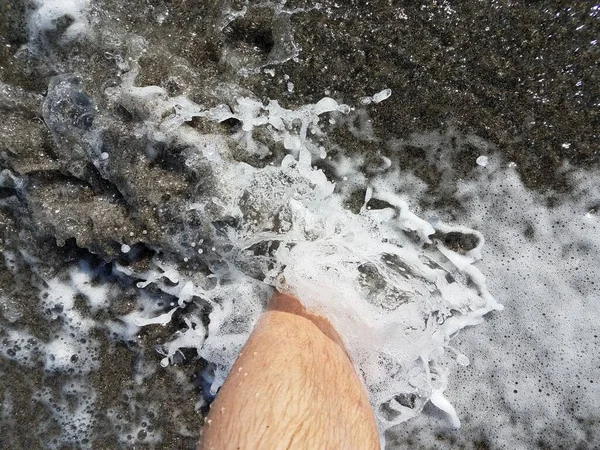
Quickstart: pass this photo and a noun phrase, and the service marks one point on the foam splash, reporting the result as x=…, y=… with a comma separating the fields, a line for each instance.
x=383, y=277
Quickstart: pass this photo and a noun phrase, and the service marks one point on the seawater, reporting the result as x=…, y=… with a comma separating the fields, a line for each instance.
x=398, y=281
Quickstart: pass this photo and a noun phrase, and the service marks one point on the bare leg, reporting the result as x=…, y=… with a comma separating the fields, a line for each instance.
x=293, y=386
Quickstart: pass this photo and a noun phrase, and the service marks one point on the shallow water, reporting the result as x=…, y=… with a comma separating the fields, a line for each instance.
x=405, y=170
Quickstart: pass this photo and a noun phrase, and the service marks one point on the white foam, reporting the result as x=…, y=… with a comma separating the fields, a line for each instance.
x=395, y=298
x=162, y=319
x=538, y=361
x=76, y=419
x=97, y=295
x=48, y=12
x=192, y=337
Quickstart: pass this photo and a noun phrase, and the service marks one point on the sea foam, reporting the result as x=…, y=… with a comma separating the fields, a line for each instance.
x=384, y=277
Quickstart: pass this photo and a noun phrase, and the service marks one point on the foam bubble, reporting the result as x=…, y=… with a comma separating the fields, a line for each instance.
x=377, y=98
x=482, y=160
x=382, y=95
x=75, y=418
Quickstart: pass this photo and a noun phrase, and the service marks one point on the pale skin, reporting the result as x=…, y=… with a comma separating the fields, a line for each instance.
x=292, y=387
